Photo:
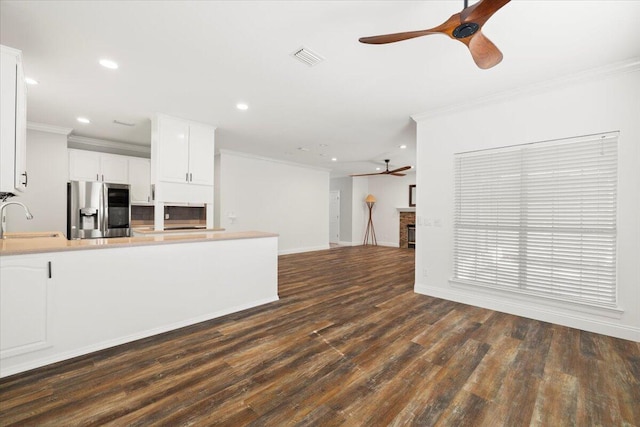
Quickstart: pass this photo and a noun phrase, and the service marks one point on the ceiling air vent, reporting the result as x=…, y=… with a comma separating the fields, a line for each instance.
x=118, y=122
x=306, y=56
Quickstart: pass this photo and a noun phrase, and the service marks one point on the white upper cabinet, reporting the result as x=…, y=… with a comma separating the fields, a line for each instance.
x=173, y=148
x=93, y=166
x=84, y=165
x=114, y=168
x=13, y=122
x=140, y=180
x=201, y=154
x=183, y=151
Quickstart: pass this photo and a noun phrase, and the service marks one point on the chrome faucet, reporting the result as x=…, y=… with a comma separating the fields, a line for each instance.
x=2, y=218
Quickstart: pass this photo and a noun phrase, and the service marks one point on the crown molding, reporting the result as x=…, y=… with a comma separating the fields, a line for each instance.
x=42, y=127
x=106, y=144
x=270, y=159
x=623, y=67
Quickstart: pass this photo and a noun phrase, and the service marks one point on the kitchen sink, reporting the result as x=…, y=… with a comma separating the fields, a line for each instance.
x=44, y=235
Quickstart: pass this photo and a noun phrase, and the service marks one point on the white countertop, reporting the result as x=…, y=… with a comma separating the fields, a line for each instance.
x=31, y=243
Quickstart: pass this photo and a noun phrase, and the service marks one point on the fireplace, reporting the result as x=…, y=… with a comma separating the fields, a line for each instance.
x=407, y=219
x=411, y=236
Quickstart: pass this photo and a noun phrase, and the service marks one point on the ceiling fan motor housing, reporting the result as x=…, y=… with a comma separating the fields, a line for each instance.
x=465, y=30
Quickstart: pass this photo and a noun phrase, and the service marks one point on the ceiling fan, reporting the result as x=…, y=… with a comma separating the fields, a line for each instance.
x=464, y=27
x=395, y=172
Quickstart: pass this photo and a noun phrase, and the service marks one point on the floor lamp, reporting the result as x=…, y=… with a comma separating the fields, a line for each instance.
x=370, y=200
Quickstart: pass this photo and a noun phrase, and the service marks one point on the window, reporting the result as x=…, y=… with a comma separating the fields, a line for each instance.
x=539, y=218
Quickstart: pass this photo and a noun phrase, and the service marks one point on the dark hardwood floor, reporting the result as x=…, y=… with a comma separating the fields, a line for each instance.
x=349, y=343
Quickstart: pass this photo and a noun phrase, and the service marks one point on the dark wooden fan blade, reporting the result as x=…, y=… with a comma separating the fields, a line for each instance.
x=404, y=168
x=446, y=27
x=481, y=11
x=392, y=38
x=368, y=174
x=485, y=54
x=398, y=174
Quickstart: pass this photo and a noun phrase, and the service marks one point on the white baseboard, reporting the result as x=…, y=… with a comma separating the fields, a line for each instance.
x=300, y=250
x=545, y=314
x=389, y=244
x=129, y=338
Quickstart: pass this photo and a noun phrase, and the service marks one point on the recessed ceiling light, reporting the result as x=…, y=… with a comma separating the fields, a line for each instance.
x=107, y=63
x=30, y=81
x=83, y=120
x=403, y=146
x=242, y=106
x=323, y=145
x=334, y=159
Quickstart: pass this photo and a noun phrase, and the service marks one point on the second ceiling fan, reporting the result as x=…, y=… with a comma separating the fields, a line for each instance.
x=395, y=172
x=464, y=27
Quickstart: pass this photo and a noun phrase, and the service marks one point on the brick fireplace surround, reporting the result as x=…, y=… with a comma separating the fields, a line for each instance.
x=406, y=218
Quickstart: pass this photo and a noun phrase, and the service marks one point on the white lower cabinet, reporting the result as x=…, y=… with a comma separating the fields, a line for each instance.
x=25, y=305
x=103, y=297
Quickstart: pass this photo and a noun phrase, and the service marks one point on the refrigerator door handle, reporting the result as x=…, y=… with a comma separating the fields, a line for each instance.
x=104, y=223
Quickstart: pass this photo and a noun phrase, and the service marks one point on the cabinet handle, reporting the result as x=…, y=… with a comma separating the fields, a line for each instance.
x=26, y=178
x=103, y=177
x=97, y=177
x=186, y=176
x=190, y=177
x=49, y=267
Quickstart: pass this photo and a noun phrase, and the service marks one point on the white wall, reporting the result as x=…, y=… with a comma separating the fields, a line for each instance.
x=391, y=193
x=46, y=195
x=269, y=195
x=606, y=100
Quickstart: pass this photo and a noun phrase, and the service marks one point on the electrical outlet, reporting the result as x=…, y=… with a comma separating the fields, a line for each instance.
x=166, y=216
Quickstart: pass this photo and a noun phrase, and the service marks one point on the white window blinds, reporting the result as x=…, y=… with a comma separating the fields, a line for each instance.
x=539, y=218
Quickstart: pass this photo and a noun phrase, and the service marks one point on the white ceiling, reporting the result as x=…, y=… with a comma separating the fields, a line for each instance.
x=198, y=59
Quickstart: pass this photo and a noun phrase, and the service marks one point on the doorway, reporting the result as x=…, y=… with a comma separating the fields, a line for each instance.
x=334, y=216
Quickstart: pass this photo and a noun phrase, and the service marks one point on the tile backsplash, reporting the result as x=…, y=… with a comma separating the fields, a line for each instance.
x=176, y=213
x=142, y=213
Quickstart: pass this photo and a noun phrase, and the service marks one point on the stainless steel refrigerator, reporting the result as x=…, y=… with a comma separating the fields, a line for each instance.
x=98, y=209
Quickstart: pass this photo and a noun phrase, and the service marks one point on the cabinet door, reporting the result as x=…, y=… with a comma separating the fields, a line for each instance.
x=21, y=177
x=201, y=154
x=140, y=180
x=12, y=122
x=173, y=145
x=114, y=168
x=84, y=165
x=24, y=305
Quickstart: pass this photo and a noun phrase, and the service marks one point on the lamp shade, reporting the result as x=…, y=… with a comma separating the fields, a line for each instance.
x=370, y=199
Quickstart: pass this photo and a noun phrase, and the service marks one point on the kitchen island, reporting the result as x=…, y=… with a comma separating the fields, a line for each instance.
x=61, y=299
